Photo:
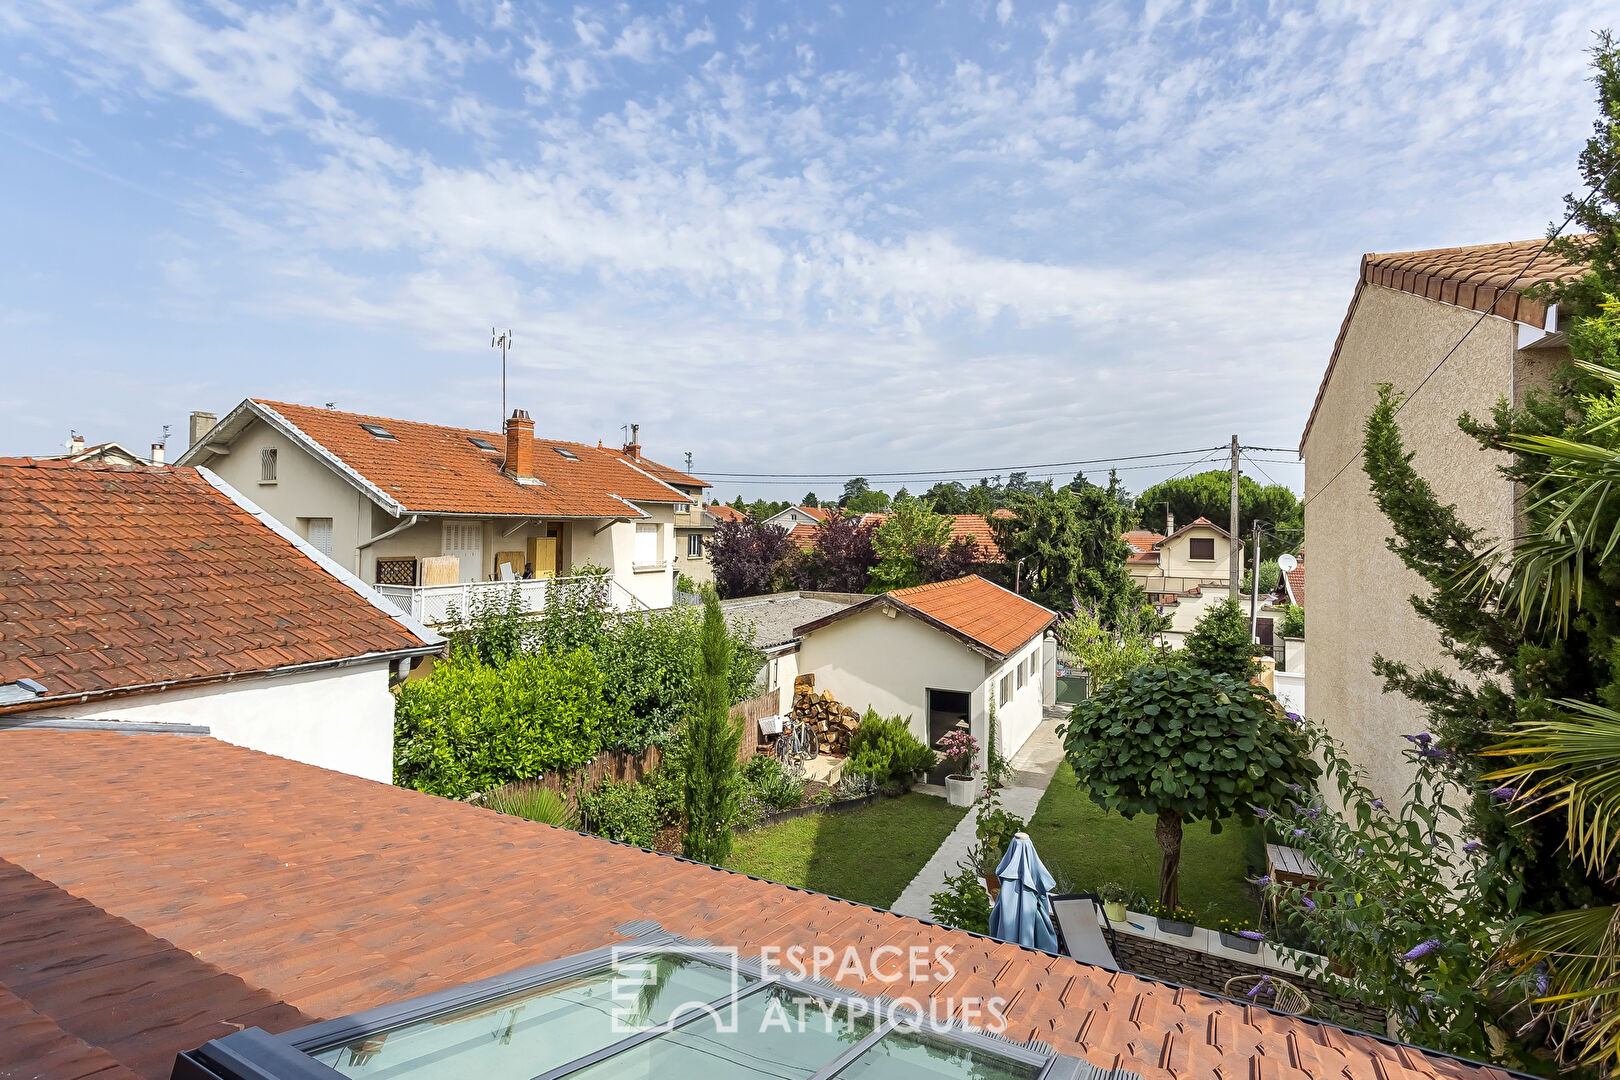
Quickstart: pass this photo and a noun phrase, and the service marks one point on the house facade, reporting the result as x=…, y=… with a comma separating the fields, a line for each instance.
x=1408, y=312
x=1194, y=556
x=799, y=515
x=437, y=516
x=164, y=597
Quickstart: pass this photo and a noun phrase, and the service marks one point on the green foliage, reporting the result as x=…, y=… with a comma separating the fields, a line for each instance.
x=995, y=829
x=1221, y=643
x=963, y=903
x=470, y=727
x=1185, y=744
x=713, y=786
x=861, y=498
x=534, y=802
x=1071, y=547
x=494, y=629
x=1109, y=654
x=1209, y=495
x=1270, y=577
x=1174, y=912
x=625, y=812
x=765, y=781
x=1112, y=892
x=884, y=749
x=998, y=771
x=1293, y=624
x=911, y=528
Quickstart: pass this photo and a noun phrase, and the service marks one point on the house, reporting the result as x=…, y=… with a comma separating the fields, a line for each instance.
x=1407, y=314
x=216, y=902
x=144, y=596
x=936, y=654
x=107, y=453
x=800, y=515
x=1195, y=555
x=436, y=516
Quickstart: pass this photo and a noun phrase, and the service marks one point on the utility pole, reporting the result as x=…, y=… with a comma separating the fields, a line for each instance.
x=689, y=462
x=1235, y=567
x=502, y=339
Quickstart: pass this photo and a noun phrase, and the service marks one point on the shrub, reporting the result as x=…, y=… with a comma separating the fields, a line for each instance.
x=495, y=628
x=884, y=749
x=1112, y=892
x=1270, y=578
x=1293, y=624
x=960, y=751
x=667, y=783
x=774, y=787
x=624, y=812
x=533, y=802
x=1221, y=643
x=709, y=755
x=995, y=830
x=963, y=903
x=470, y=727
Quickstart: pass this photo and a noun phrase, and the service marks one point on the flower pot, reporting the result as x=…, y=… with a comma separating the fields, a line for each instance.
x=1114, y=910
x=1239, y=942
x=1176, y=927
x=992, y=885
x=959, y=790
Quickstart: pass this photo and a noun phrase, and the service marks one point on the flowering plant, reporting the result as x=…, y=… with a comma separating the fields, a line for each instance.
x=960, y=751
x=1243, y=928
x=1173, y=912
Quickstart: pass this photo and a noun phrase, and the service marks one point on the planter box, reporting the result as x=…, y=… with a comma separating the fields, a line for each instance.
x=1176, y=927
x=1239, y=943
x=1115, y=913
x=959, y=790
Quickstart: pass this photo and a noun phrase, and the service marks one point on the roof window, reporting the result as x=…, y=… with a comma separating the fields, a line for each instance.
x=377, y=430
x=482, y=444
x=569, y=454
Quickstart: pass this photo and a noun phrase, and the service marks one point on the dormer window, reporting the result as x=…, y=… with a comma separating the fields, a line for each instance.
x=483, y=444
x=377, y=431
x=569, y=454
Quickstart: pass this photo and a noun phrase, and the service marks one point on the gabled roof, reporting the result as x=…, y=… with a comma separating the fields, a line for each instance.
x=1195, y=523
x=116, y=578
x=987, y=618
x=110, y=453
x=150, y=909
x=820, y=513
x=722, y=512
x=1294, y=582
x=434, y=469
x=664, y=472
x=1490, y=278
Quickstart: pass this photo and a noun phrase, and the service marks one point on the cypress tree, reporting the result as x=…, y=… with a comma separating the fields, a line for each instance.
x=713, y=782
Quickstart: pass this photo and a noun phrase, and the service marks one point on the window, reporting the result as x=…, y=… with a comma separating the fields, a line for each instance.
x=1035, y=666
x=1201, y=548
x=647, y=536
x=569, y=454
x=1006, y=689
x=377, y=431
x=319, y=534
x=483, y=444
x=694, y=545
x=267, y=465
x=1023, y=675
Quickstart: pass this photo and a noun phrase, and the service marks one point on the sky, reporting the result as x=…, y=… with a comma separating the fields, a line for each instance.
x=786, y=238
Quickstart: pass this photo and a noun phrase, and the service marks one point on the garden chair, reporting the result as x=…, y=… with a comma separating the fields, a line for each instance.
x=1080, y=933
x=1285, y=996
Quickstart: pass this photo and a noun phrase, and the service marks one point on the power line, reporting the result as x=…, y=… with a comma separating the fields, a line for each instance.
x=1542, y=250
x=976, y=472
x=1262, y=472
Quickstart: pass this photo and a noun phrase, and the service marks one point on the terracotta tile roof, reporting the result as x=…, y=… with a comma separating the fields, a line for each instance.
x=429, y=468
x=324, y=894
x=1296, y=582
x=722, y=512
x=996, y=618
x=1480, y=277
x=665, y=473
x=820, y=513
x=975, y=527
x=803, y=535
x=114, y=577
x=1143, y=539
x=1199, y=522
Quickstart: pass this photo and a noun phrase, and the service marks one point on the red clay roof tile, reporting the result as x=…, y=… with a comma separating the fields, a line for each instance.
x=114, y=577
x=324, y=894
x=996, y=618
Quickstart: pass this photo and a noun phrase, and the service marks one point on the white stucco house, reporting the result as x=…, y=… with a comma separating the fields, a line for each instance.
x=936, y=654
x=434, y=515
x=131, y=595
x=799, y=515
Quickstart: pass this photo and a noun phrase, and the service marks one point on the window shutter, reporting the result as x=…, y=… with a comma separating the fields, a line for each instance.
x=320, y=535
x=646, y=553
x=267, y=465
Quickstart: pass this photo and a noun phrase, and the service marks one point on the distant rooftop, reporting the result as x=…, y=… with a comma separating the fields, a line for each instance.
x=774, y=616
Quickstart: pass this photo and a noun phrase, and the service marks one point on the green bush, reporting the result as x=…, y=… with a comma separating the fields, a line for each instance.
x=995, y=830
x=533, y=802
x=1220, y=642
x=764, y=778
x=1293, y=624
x=884, y=749
x=963, y=903
x=624, y=812
x=470, y=727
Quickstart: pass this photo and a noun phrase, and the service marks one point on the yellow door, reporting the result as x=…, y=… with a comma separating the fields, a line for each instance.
x=543, y=556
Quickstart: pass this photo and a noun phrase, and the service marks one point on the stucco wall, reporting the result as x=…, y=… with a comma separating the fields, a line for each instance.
x=1175, y=559
x=1018, y=718
x=1359, y=591
x=337, y=718
x=614, y=547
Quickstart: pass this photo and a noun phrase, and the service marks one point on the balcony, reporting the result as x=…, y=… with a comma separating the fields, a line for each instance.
x=440, y=605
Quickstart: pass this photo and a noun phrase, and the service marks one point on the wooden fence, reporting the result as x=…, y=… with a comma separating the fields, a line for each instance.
x=750, y=712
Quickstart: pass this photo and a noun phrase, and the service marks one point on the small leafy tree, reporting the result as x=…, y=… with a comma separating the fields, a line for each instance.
x=1185, y=744
x=1220, y=642
x=1071, y=547
x=748, y=557
x=841, y=558
x=713, y=785
x=1270, y=576
x=1293, y=624
x=1109, y=654
x=908, y=536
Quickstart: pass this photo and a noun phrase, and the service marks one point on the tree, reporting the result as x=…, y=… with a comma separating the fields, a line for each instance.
x=908, y=536
x=1109, y=654
x=1185, y=745
x=1221, y=643
x=947, y=497
x=1270, y=578
x=713, y=791
x=1209, y=495
x=841, y=558
x=1071, y=547
x=809, y=499
x=748, y=557
x=854, y=488
x=871, y=501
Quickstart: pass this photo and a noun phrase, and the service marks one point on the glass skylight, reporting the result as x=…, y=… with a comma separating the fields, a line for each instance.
x=482, y=444
x=377, y=430
x=569, y=454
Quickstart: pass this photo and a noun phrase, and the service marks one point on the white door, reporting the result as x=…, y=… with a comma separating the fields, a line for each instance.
x=465, y=540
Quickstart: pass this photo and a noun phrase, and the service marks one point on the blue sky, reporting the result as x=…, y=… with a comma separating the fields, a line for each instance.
x=790, y=238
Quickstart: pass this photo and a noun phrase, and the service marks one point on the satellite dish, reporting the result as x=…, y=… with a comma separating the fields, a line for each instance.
x=1286, y=563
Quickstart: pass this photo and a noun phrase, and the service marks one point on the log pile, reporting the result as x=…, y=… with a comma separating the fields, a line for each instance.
x=833, y=722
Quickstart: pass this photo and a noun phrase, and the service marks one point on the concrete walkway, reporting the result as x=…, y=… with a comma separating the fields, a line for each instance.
x=1033, y=768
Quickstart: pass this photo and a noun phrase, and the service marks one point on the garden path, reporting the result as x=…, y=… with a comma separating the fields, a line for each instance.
x=1033, y=767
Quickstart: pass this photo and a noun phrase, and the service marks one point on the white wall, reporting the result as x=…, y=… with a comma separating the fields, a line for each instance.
x=1291, y=690
x=1019, y=717
x=337, y=718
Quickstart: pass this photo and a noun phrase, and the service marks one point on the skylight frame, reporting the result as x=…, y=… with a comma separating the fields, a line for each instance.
x=253, y=1054
x=568, y=455
x=377, y=431
x=483, y=444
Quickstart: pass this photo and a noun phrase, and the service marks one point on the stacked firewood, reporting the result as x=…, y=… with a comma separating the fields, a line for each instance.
x=833, y=722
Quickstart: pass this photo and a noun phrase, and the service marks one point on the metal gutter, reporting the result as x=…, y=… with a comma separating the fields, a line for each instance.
x=408, y=523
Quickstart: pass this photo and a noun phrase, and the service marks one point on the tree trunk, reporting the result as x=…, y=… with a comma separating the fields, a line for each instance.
x=1168, y=833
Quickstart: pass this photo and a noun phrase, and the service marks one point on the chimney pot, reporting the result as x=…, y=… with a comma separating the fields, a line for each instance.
x=632, y=449
x=201, y=424
x=78, y=443
x=1169, y=522
x=520, y=444
x=157, y=453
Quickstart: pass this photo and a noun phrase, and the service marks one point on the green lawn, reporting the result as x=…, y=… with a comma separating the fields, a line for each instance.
x=869, y=855
x=1075, y=837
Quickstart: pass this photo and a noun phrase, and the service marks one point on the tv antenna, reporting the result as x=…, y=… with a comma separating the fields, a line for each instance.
x=689, y=461
x=502, y=340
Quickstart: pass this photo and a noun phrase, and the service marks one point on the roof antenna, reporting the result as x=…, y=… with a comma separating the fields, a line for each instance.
x=501, y=339
x=331, y=405
x=689, y=461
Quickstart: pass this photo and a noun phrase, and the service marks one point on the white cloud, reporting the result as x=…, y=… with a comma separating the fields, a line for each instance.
x=1004, y=11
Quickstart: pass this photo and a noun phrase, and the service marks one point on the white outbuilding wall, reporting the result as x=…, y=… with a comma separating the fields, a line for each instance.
x=337, y=718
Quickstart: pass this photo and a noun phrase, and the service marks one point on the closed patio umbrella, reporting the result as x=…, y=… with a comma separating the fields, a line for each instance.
x=1022, y=914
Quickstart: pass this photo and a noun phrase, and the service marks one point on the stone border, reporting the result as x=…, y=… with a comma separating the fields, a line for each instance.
x=1204, y=940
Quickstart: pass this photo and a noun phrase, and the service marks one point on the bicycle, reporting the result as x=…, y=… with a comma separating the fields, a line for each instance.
x=796, y=745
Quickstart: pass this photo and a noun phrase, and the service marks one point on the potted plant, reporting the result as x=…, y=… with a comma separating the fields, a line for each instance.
x=1240, y=934
x=1173, y=920
x=1114, y=898
x=984, y=866
x=961, y=753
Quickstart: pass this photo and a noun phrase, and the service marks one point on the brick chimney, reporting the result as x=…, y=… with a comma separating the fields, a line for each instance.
x=201, y=424
x=520, y=444
x=632, y=449
x=157, y=453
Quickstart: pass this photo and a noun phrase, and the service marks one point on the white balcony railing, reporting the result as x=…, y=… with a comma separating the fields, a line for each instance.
x=438, y=605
